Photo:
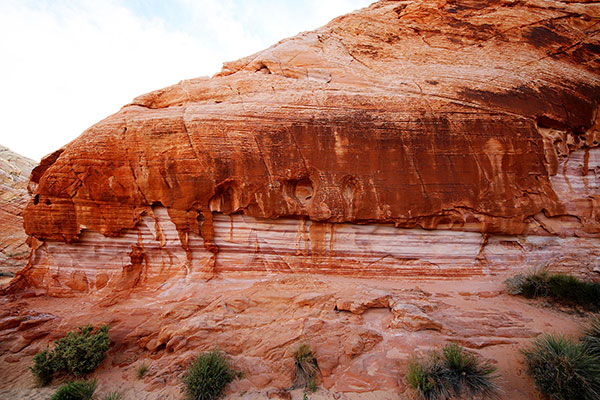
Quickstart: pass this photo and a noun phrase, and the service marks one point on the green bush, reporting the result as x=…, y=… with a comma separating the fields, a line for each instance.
x=312, y=386
x=468, y=374
x=113, y=396
x=43, y=367
x=306, y=368
x=78, y=353
x=591, y=338
x=208, y=375
x=452, y=372
x=563, y=288
x=569, y=289
x=77, y=390
x=563, y=369
x=427, y=378
x=535, y=284
x=141, y=370
x=81, y=352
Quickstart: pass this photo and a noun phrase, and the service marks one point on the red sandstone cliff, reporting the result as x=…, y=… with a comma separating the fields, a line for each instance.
x=421, y=114
x=423, y=140
x=14, y=173
x=465, y=116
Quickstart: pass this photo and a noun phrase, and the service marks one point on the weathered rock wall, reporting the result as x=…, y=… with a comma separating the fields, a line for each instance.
x=434, y=147
x=155, y=251
x=472, y=119
x=152, y=253
x=14, y=173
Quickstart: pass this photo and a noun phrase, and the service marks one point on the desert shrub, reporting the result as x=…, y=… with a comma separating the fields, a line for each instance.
x=514, y=284
x=591, y=337
x=43, y=367
x=535, y=284
x=563, y=288
x=452, y=372
x=312, y=386
x=81, y=352
x=113, y=396
x=570, y=289
x=208, y=375
x=77, y=353
x=563, y=369
x=141, y=370
x=468, y=374
x=77, y=390
x=426, y=377
x=306, y=368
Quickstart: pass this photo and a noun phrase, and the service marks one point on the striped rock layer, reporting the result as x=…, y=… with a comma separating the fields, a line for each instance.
x=410, y=138
x=14, y=172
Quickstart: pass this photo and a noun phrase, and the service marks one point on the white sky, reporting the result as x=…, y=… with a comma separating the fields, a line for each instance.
x=66, y=64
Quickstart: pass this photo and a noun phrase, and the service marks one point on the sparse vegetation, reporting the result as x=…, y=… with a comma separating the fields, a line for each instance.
x=113, y=396
x=81, y=352
x=312, y=386
x=425, y=378
x=77, y=390
x=591, y=338
x=43, y=367
x=208, y=375
x=563, y=369
x=141, y=370
x=306, y=368
x=562, y=288
x=78, y=353
x=452, y=372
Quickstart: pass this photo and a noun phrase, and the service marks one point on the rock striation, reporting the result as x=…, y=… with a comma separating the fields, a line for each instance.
x=14, y=174
x=365, y=187
x=478, y=117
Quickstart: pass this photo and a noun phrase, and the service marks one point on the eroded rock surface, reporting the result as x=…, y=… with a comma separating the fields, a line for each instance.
x=474, y=117
x=362, y=332
x=14, y=174
x=366, y=187
x=152, y=253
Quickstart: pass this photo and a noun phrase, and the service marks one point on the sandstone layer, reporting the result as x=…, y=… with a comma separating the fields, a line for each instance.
x=471, y=117
x=14, y=174
x=341, y=138
x=365, y=187
x=362, y=331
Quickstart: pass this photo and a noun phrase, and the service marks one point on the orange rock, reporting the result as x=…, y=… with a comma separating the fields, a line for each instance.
x=302, y=194
x=427, y=114
x=311, y=155
x=469, y=131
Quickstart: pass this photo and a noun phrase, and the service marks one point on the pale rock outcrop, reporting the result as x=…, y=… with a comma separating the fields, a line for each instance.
x=14, y=174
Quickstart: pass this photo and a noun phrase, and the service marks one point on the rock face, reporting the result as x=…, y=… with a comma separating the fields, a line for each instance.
x=475, y=117
x=434, y=143
x=152, y=253
x=14, y=173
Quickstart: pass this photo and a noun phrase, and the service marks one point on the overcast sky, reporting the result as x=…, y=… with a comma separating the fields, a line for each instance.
x=66, y=64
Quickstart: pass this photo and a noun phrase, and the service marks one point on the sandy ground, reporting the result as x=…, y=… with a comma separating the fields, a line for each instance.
x=132, y=394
